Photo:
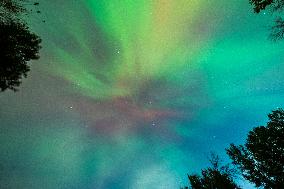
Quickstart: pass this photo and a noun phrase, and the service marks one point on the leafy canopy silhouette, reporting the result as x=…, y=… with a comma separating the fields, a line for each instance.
x=259, y=5
x=276, y=6
x=214, y=177
x=261, y=158
x=18, y=44
x=8, y=7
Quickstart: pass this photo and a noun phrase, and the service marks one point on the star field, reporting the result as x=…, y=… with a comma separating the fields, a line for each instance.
x=135, y=94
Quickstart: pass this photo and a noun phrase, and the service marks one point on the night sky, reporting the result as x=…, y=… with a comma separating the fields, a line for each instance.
x=135, y=94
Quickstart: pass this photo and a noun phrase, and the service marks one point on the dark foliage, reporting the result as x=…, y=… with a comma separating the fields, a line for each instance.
x=259, y=5
x=277, y=30
x=15, y=6
x=261, y=158
x=214, y=177
x=12, y=6
x=18, y=46
x=10, y=9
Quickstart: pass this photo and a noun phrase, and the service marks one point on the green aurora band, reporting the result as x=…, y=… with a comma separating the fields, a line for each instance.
x=135, y=94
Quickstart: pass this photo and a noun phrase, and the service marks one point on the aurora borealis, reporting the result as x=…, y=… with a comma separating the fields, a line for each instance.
x=135, y=94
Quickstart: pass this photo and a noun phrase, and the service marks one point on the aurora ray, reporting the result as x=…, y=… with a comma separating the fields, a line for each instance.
x=135, y=94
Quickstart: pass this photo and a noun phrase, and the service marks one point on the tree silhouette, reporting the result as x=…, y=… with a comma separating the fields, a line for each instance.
x=277, y=30
x=214, y=177
x=259, y=5
x=18, y=45
x=261, y=158
x=8, y=7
